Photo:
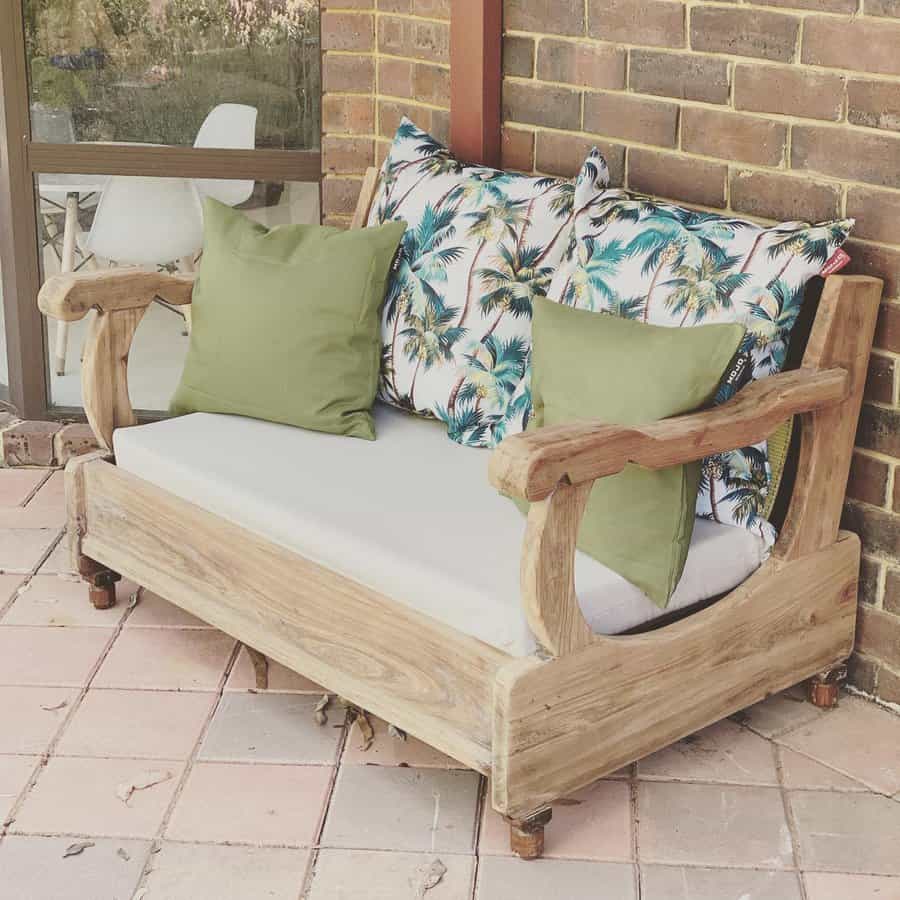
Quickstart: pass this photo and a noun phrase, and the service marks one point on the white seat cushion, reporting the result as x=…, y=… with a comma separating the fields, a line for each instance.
x=411, y=515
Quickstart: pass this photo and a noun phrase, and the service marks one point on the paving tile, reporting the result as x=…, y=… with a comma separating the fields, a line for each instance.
x=59, y=561
x=153, y=611
x=680, y=883
x=21, y=549
x=276, y=728
x=802, y=773
x=32, y=516
x=506, y=878
x=51, y=600
x=259, y=804
x=31, y=716
x=78, y=796
x=779, y=713
x=833, y=886
x=597, y=825
x=242, y=678
x=178, y=659
x=52, y=493
x=33, y=868
x=9, y=584
x=203, y=872
x=386, y=808
x=14, y=774
x=49, y=656
x=138, y=724
x=712, y=825
x=858, y=739
x=387, y=750
x=380, y=875
x=724, y=752
x=847, y=832
x=17, y=484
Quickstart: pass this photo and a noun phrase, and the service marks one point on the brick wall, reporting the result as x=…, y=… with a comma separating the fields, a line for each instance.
x=382, y=59
x=777, y=109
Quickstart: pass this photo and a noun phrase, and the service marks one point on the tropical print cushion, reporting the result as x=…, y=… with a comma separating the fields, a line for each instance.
x=656, y=262
x=480, y=244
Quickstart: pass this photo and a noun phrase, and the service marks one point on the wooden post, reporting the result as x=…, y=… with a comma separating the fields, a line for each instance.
x=476, y=77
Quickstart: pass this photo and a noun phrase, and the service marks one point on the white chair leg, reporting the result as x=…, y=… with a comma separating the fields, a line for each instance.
x=67, y=264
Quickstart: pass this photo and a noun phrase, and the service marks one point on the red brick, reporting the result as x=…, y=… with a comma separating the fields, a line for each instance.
x=348, y=31
x=563, y=154
x=395, y=77
x=878, y=529
x=844, y=153
x=541, y=15
x=733, y=136
x=655, y=23
x=880, y=262
x=339, y=195
x=348, y=114
x=874, y=104
x=395, y=6
x=73, y=440
x=869, y=577
x=343, y=155
x=862, y=672
x=390, y=113
x=593, y=65
x=518, y=56
x=347, y=73
x=679, y=75
x=861, y=44
x=432, y=9
x=744, y=32
x=431, y=84
x=883, y=8
x=892, y=589
x=517, y=150
x=347, y=4
x=887, y=332
x=676, y=177
x=632, y=118
x=541, y=104
x=428, y=41
x=878, y=635
x=889, y=685
x=785, y=198
x=29, y=443
x=879, y=430
x=868, y=480
x=835, y=6
x=788, y=91
x=877, y=215
x=880, y=380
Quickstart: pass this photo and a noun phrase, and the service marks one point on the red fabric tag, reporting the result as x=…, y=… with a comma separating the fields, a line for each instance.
x=838, y=260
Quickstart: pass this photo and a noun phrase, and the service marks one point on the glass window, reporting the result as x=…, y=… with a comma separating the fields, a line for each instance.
x=93, y=222
x=152, y=71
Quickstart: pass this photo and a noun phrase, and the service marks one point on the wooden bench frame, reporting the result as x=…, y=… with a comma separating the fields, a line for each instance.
x=585, y=705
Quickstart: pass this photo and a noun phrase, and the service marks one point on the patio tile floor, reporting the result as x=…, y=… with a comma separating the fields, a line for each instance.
x=782, y=802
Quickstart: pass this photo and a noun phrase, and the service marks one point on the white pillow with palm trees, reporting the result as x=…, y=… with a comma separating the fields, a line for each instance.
x=657, y=262
x=479, y=245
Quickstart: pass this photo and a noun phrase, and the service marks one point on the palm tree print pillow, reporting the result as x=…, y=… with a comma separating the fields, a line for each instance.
x=480, y=244
x=657, y=262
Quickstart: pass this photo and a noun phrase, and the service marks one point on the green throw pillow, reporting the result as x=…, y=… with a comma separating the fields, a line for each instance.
x=589, y=365
x=286, y=322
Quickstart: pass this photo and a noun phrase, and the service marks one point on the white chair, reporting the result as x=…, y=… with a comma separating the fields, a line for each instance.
x=229, y=126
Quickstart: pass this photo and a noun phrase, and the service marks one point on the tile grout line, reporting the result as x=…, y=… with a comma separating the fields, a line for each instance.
x=793, y=830
x=314, y=850
x=29, y=575
x=633, y=783
x=44, y=758
x=155, y=844
x=479, y=817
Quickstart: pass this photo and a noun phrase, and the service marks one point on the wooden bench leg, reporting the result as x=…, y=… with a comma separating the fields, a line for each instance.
x=526, y=835
x=824, y=688
x=101, y=582
x=260, y=668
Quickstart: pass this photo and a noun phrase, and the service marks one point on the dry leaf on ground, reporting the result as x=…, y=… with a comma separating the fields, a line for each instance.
x=77, y=847
x=54, y=708
x=396, y=732
x=321, y=714
x=366, y=732
x=140, y=782
x=429, y=877
x=122, y=853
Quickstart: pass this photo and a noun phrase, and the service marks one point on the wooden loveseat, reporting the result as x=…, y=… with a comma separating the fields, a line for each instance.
x=576, y=705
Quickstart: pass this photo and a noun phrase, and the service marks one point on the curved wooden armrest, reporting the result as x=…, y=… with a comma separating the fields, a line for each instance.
x=69, y=297
x=531, y=465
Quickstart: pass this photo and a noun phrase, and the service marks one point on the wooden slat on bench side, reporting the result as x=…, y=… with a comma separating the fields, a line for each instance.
x=563, y=723
x=403, y=666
